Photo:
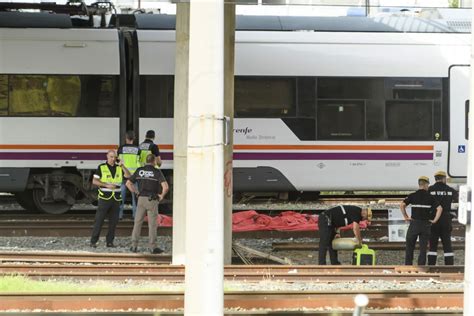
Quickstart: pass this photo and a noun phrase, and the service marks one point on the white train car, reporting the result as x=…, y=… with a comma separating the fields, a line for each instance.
x=357, y=104
x=320, y=103
x=59, y=109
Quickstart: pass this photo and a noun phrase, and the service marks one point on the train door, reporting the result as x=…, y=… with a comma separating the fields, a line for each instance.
x=129, y=74
x=459, y=89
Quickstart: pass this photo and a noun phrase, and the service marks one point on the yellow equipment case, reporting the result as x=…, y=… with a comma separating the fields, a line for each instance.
x=363, y=256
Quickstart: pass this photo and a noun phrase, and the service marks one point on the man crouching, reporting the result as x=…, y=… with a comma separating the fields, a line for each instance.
x=152, y=187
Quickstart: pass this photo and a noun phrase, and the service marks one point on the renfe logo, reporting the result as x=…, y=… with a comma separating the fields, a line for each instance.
x=244, y=131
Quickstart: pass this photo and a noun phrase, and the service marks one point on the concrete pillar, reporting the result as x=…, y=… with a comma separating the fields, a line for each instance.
x=205, y=177
x=180, y=131
x=229, y=40
x=469, y=251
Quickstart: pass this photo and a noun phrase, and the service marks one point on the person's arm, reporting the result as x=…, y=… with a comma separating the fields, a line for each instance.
x=356, y=229
x=403, y=208
x=158, y=161
x=126, y=173
x=164, y=190
x=156, y=151
x=131, y=187
x=439, y=209
x=96, y=181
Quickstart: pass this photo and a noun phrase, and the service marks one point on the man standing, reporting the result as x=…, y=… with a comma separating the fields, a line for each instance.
x=149, y=147
x=445, y=195
x=420, y=223
x=152, y=187
x=334, y=218
x=130, y=155
x=108, y=177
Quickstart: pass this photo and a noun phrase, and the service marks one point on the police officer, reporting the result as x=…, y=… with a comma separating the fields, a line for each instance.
x=149, y=147
x=108, y=177
x=445, y=195
x=130, y=155
x=152, y=187
x=331, y=220
x=421, y=203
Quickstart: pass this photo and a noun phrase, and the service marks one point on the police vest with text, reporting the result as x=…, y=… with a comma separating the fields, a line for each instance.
x=145, y=151
x=106, y=193
x=130, y=158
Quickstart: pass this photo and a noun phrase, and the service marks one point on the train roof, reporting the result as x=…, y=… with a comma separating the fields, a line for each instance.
x=396, y=24
x=453, y=23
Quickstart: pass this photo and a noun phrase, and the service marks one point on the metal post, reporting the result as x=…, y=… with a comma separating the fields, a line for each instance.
x=361, y=301
x=204, y=288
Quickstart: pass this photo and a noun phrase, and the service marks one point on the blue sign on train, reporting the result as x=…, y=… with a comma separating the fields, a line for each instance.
x=461, y=149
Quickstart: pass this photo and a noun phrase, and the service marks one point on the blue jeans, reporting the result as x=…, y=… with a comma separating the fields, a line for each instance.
x=134, y=201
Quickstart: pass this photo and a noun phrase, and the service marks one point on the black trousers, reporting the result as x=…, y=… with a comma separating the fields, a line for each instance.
x=106, y=208
x=417, y=228
x=442, y=229
x=327, y=232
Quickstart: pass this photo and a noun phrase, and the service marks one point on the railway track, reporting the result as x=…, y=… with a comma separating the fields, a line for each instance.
x=45, y=265
x=232, y=273
x=376, y=201
x=148, y=267
x=449, y=301
x=277, y=246
x=43, y=225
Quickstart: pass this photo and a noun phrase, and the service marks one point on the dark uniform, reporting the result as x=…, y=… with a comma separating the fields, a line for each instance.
x=328, y=222
x=149, y=181
x=421, y=203
x=108, y=202
x=445, y=195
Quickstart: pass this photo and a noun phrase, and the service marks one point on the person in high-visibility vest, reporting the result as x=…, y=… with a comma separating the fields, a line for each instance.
x=130, y=155
x=149, y=147
x=108, y=178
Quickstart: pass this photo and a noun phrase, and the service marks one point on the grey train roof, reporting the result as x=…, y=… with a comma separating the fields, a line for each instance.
x=34, y=20
x=397, y=24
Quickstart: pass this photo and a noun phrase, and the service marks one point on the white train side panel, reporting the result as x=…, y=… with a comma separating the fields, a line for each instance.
x=29, y=142
x=317, y=165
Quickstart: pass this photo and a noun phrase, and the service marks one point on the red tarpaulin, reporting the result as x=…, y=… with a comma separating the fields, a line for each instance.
x=253, y=221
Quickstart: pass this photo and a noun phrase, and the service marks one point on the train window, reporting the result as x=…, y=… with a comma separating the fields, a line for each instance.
x=345, y=88
x=264, y=97
x=3, y=95
x=303, y=128
x=420, y=94
x=59, y=95
x=156, y=96
x=413, y=88
x=306, y=97
x=409, y=120
x=341, y=120
x=99, y=96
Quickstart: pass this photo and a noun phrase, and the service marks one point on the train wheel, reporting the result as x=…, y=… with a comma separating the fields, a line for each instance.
x=25, y=199
x=57, y=207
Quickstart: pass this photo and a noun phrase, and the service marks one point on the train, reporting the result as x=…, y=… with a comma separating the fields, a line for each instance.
x=320, y=103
